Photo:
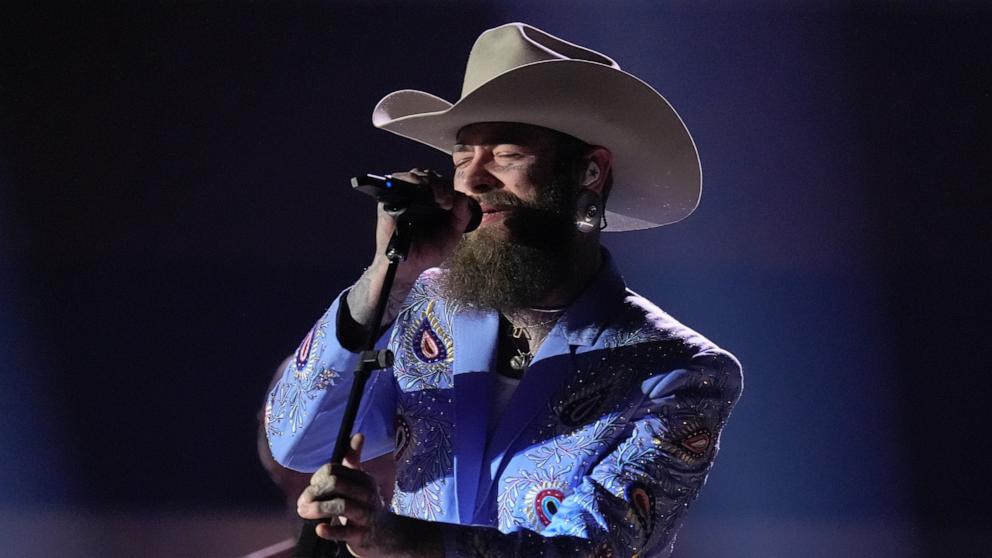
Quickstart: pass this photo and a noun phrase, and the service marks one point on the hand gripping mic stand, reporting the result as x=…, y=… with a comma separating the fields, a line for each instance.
x=309, y=544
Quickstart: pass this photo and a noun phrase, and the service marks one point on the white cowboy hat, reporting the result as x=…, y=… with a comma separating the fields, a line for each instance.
x=517, y=73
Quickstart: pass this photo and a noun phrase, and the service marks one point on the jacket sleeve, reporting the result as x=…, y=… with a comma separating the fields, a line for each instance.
x=633, y=500
x=305, y=408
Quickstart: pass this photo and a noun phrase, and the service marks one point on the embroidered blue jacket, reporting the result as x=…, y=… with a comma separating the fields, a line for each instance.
x=605, y=442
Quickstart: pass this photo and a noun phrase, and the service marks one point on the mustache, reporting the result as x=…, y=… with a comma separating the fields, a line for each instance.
x=539, y=207
x=500, y=198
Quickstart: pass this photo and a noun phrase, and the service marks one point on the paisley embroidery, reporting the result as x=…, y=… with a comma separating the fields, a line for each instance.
x=642, y=501
x=579, y=407
x=586, y=397
x=426, y=351
x=423, y=453
x=633, y=467
x=697, y=443
x=688, y=440
x=637, y=459
x=543, y=501
x=427, y=345
x=287, y=405
x=546, y=504
x=403, y=437
x=303, y=351
x=545, y=488
x=605, y=551
x=584, y=417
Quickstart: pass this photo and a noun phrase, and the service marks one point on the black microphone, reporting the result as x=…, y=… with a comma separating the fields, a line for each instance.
x=402, y=197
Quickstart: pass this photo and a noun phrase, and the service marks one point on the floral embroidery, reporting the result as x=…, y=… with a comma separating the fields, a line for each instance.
x=287, y=402
x=424, y=460
x=584, y=418
x=424, y=503
x=631, y=334
x=576, y=446
x=604, y=471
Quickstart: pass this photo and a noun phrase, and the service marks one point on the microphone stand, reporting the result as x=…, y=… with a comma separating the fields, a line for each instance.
x=309, y=545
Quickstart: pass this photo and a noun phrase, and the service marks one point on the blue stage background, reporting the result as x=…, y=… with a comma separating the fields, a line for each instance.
x=175, y=213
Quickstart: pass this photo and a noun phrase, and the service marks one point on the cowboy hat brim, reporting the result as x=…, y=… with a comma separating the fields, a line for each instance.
x=656, y=174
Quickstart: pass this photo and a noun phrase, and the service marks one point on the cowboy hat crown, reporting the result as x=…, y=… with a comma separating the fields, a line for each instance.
x=517, y=73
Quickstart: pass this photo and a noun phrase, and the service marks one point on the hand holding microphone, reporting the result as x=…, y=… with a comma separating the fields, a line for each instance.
x=429, y=218
x=400, y=196
x=441, y=216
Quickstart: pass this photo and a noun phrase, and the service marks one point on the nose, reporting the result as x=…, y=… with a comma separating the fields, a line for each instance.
x=474, y=177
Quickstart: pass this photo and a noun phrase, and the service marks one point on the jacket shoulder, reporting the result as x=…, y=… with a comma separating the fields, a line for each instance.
x=641, y=322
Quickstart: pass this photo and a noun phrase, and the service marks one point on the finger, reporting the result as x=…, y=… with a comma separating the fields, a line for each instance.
x=310, y=508
x=354, y=511
x=442, y=188
x=353, y=459
x=308, y=499
x=444, y=191
x=321, y=474
x=324, y=475
x=414, y=176
x=347, y=483
x=349, y=533
x=341, y=482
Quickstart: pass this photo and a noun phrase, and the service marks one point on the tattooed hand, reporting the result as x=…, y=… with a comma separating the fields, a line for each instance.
x=347, y=493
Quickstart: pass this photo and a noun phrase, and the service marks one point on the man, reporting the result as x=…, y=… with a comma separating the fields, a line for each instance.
x=535, y=406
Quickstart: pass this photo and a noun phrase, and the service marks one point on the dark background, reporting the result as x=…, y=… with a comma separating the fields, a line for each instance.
x=175, y=213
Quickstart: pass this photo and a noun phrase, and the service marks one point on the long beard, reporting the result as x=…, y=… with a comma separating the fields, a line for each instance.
x=518, y=264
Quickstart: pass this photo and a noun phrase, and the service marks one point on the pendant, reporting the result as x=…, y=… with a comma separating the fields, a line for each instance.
x=520, y=361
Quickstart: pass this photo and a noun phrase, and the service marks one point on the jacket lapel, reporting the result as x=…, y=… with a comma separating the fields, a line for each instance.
x=553, y=364
x=549, y=369
x=474, y=336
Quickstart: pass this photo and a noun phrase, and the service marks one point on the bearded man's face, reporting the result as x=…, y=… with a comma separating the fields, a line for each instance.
x=526, y=243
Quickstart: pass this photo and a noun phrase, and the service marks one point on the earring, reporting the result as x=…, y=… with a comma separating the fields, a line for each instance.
x=592, y=174
x=589, y=212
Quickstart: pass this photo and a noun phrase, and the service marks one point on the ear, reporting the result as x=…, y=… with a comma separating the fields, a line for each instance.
x=597, y=165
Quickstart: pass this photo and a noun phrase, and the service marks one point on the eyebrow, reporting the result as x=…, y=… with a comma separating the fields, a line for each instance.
x=463, y=147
